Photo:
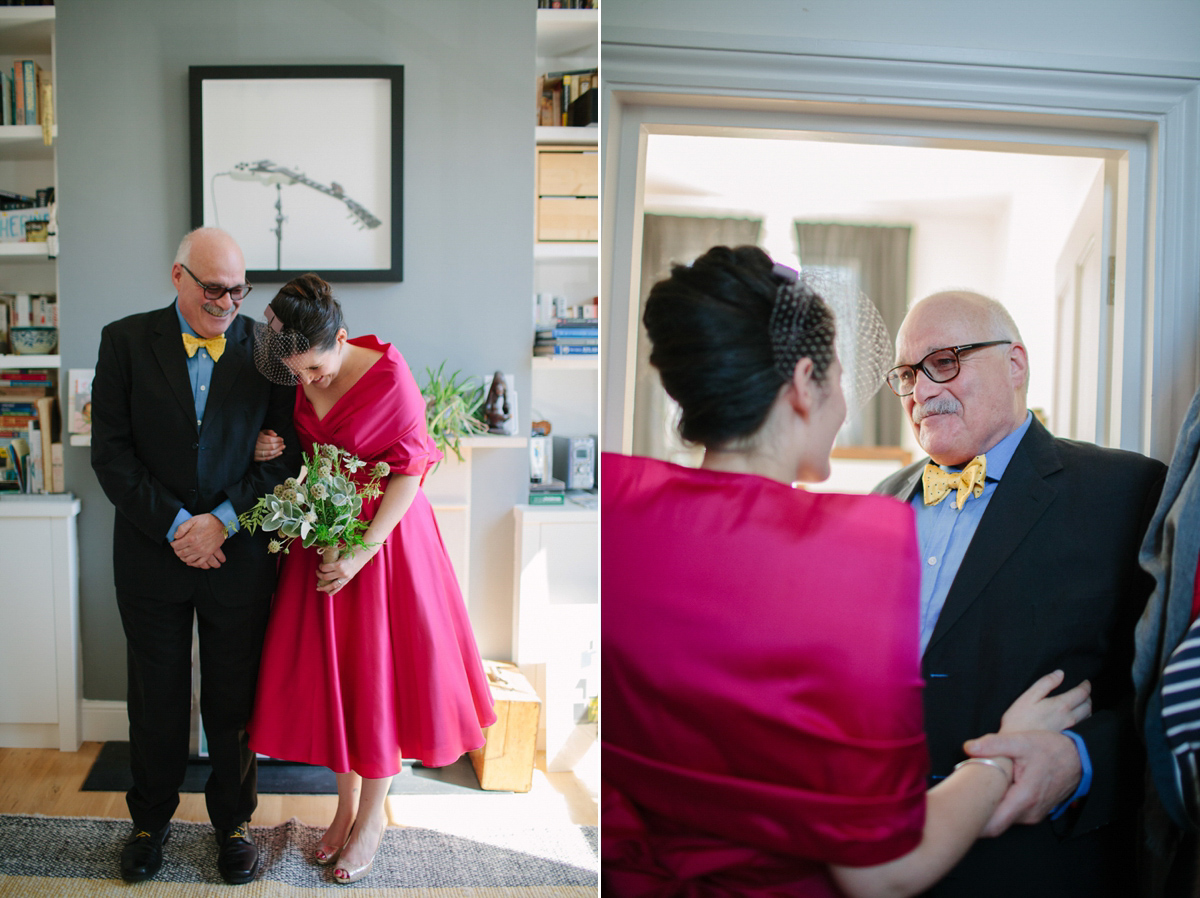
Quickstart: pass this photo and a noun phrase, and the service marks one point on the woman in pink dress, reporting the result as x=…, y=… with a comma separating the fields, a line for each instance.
x=370, y=658
x=762, y=727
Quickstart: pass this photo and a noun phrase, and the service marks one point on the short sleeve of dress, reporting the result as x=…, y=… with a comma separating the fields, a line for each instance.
x=392, y=426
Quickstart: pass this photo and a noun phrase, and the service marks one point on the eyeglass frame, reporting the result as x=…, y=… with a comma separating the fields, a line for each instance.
x=245, y=288
x=920, y=366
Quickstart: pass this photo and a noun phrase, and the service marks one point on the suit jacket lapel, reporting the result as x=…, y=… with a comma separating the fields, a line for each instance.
x=168, y=349
x=229, y=370
x=1020, y=500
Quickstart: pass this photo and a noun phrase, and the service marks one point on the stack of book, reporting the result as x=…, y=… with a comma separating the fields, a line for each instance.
x=547, y=492
x=568, y=336
x=26, y=95
x=563, y=98
x=31, y=452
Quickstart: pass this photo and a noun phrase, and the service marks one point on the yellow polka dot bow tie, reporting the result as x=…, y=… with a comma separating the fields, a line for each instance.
x=968, y=482
x=214, y=345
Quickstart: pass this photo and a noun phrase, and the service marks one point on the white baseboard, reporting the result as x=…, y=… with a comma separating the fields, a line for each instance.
x=104, y=721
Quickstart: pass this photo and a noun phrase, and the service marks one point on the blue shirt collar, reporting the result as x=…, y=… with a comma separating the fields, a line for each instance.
x=186, y=328
x=1001, y=454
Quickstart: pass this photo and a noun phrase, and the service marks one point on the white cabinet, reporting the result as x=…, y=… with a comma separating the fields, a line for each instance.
x=39, y=627
x=556, y=623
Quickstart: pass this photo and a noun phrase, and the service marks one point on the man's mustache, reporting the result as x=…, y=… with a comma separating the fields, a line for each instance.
x=941, y=405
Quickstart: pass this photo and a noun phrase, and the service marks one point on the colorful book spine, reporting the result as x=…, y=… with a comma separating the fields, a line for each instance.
x=18, y=92
x=577, y=332
x=576, y=350
x=31, y=91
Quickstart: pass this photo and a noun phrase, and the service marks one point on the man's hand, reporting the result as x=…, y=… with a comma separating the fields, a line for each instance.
x=198, y=541
x=1046, y=772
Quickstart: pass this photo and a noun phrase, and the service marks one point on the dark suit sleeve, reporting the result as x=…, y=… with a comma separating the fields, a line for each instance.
x=137, y=495
x=262, y=477
x=1109, y=733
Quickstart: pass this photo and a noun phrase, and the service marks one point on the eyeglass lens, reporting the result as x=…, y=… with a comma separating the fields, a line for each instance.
x=939, y=366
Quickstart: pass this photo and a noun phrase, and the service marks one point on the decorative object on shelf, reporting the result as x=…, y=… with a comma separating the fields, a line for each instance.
x=496, y=409
x=321, y=507
x=79, y=399
x=452, y=409
x=349, y=167
x=33, y=340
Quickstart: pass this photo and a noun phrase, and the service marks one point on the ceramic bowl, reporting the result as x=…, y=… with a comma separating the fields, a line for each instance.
x=33, y=340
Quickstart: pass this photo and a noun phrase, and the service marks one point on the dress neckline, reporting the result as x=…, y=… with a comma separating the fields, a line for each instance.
x=367, y=341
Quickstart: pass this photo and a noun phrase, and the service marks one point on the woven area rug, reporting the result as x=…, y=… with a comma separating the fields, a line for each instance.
x=73, y=857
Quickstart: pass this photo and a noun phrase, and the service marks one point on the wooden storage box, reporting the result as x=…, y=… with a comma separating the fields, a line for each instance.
x=573, y=171
x=562, y=218
x=505, y=763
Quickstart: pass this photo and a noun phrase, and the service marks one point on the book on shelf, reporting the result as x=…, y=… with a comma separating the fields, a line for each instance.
x=576, y=350
x=18, y=450
x=568, y=4
x=7, y=115
x=558, y=91
x=31, y=84
x=576, y=332
x=18, y=92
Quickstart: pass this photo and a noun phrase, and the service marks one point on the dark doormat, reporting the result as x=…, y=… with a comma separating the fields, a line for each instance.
x=110, y=773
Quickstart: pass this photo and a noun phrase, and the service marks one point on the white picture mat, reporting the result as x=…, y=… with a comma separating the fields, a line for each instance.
x=331, y=130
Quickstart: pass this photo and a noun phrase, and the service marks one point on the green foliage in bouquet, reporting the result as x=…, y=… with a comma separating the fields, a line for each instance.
x=321, y=507
x=453, y=409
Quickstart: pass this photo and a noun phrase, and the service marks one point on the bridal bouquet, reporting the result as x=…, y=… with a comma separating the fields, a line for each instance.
x=321, y=507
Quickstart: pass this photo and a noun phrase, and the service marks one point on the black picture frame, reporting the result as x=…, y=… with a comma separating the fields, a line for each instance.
x=337, y=129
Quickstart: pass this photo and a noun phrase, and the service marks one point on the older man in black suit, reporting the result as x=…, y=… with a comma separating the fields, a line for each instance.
x=177, y=407
x=1029, y=551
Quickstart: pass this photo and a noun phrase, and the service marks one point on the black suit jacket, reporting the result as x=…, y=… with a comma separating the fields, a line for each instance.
x=152, y=459
x=1050, y=581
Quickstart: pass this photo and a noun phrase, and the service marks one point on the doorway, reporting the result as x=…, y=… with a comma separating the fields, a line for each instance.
x=980, y=217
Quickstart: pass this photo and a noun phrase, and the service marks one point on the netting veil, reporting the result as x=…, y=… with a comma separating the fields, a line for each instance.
x=274, y=344
x=798, y=330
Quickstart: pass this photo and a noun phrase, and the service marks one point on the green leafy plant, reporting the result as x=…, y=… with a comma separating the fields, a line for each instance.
x=321, y=507
x=453, y=409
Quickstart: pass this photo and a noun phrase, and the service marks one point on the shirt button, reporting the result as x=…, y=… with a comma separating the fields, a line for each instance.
x=931, y=560
x=202, y=387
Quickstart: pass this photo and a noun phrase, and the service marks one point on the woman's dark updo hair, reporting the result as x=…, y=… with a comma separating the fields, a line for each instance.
x=710, y=330
x=306, y=304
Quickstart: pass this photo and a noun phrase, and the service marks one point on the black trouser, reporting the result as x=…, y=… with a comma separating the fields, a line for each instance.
x=158, y=634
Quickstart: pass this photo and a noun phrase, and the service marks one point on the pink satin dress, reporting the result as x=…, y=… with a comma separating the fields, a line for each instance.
x=762, y=692
x=388, y=667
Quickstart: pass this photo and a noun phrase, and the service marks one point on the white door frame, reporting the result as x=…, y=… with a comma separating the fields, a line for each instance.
x=675, y=82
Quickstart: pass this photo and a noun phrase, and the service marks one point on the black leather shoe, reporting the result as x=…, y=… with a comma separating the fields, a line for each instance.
x=143, y=854
x=237, y=859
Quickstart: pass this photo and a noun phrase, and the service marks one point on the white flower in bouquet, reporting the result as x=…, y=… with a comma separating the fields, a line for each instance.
x=321, y=507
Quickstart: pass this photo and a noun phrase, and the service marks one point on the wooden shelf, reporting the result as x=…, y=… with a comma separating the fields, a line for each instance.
x=29, y=361
x=495, y=441
x=566, y=363
x=587, y=135
x=23, y=252
x=582, y=250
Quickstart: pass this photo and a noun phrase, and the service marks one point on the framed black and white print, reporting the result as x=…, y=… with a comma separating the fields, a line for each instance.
x=302, y=164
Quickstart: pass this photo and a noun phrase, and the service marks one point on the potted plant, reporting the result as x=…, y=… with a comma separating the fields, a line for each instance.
x=453, y=409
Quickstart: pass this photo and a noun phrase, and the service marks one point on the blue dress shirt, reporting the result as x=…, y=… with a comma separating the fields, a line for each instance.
x=943, y=533
x=200, y=371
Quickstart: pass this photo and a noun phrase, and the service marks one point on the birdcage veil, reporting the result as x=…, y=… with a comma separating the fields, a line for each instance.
x=274, y=344
x=862, y=341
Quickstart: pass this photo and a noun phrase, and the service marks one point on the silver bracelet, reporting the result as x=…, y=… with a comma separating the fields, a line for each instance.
x=991, y=762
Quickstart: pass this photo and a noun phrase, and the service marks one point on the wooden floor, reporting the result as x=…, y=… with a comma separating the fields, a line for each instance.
x=46, y=781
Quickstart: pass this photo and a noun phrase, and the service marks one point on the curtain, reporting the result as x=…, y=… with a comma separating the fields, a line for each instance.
x=877, y=258
x=668, y=239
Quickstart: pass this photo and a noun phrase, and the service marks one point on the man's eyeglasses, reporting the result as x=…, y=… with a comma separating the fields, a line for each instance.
x=939, y=366
x=213, y=292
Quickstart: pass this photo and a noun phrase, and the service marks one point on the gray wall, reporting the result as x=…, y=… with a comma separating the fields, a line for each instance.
x=468, y=216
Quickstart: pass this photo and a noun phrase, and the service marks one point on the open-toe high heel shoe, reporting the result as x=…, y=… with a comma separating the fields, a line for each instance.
x=346, y=875
x=324, y=856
